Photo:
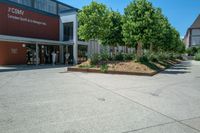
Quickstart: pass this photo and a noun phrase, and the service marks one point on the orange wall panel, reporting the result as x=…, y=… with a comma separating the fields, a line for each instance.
x=12, y=53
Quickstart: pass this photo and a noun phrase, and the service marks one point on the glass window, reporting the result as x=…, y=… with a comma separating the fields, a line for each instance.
x=195, y=40
x=14, y=1
x=40, y=4
x=46, y=5
x=68, y=31
x=196, y=32
x=23, y=2
x=51, y=7
x=62, y=8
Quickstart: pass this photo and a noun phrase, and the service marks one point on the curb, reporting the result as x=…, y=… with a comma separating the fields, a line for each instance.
x=86, y=70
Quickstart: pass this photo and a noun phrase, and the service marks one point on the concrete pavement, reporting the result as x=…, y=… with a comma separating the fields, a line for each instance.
x=49, y=101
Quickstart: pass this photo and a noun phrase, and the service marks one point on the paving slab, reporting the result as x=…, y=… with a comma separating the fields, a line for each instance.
x=167, y=128
x=49, y=101
x=176, y=95
x=195, y=123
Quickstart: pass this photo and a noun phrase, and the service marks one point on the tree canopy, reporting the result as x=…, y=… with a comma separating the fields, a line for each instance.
x=114, y=35
x=93, y=21
x=141, y=23
x=138, y=22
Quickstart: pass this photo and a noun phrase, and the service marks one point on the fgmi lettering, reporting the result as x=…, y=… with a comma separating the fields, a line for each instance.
x=15, y=11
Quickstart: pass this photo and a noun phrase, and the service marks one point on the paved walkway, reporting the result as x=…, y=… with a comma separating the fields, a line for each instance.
x=49, y=101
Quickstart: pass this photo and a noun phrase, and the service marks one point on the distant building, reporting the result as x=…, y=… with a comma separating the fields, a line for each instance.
x=192, y=37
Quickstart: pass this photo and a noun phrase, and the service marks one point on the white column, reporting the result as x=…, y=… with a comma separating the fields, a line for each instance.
x=75, y=46
x=61, y=54
x=37, y=54
x=61, y=34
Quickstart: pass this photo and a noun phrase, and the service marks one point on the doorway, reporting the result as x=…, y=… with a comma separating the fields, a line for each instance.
x=44, y=54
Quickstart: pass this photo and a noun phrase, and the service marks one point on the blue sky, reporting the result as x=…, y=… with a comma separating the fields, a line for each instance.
x=181, y=13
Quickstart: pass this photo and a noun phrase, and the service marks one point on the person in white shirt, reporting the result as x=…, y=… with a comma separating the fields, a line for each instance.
x=66, y=58
x=53, y=54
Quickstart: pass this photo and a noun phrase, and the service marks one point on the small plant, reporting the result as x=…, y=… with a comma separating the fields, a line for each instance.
x=104, y=68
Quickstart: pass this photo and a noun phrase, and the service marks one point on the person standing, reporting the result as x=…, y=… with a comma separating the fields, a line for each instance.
x=53, y=54
x=46, y=57
x=66, y=58
x=28, y=57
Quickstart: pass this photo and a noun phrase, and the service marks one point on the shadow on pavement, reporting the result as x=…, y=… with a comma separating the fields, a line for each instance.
x=28, y=67
x=175, y=72
x=182, y=68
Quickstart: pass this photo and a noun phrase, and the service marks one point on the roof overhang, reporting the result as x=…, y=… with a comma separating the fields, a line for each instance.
x=78, y=42
x=30, y=40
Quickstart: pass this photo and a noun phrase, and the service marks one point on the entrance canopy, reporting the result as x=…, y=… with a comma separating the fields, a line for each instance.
x=30, y=40
x=33, y=41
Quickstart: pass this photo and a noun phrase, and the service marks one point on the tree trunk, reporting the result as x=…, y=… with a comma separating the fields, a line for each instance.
x=151, y=48
x=139, y=50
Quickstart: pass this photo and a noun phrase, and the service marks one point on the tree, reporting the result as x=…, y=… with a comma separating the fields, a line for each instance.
x=114, y=35
x=138, y=23
x=175, y=40
x=142, y=26
x=162, y=32
x=93, y=21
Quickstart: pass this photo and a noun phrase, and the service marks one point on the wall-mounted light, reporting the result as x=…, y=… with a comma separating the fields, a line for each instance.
x=42, y=46
x=23, y=45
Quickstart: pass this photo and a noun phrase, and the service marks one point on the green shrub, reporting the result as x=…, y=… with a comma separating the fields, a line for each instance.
x=156, y=56
x=172, y=56
x=197, y=56
x=104, y=68
x=94, y=59
x=143, y=59
x=192, y=50
x=124, y=57
x=152, y=57
x=119, y=57
x=161, y=56
x=128, y=57
x=104, y=57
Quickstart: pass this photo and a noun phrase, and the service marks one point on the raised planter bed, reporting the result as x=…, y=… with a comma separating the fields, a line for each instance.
x=126, y=68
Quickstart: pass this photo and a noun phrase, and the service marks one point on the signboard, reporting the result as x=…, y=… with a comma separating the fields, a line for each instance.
x=21, y=22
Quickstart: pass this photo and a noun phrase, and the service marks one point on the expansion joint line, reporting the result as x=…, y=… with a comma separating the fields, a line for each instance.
x=149, y=108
